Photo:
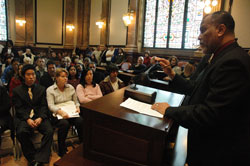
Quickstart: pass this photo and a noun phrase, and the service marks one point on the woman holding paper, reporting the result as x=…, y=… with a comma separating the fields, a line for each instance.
x=62, y=101
x=88, y=90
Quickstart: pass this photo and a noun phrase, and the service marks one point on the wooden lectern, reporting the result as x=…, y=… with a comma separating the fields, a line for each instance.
x=118, y=136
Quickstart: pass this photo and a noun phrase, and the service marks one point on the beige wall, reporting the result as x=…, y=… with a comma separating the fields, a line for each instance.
x=118, y=31
x=49, y=21
x=241, y=13
x=95, y=14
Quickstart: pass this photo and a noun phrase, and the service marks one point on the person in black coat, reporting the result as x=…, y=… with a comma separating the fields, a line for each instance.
x=48, y=78
x=98, y=76
x=217, y=112
x=32, y=114
x=5, y=117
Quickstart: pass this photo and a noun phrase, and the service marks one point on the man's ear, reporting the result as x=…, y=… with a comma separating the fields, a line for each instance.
x=221, y=29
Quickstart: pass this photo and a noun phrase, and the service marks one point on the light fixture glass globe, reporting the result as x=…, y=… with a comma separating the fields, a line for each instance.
x=214, y=2
x=207, y=2
x=207, y=9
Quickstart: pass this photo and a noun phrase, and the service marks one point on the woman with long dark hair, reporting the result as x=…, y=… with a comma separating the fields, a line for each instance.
x=87, y=90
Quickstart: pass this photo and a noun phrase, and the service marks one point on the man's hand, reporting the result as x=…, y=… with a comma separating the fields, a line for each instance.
x=160, y=107
x=38, y=121
x=165, y=64
x=31, y=123
x=63, y=114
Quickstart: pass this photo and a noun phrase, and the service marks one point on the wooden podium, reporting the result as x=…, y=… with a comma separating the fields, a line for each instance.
x=118, y=136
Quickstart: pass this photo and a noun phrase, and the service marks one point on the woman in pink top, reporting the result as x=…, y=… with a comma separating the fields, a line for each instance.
x=87, y=90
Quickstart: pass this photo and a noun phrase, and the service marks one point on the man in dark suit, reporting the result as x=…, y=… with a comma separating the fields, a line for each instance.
x=5, y=118
x=217, y=112
x=48, y=78
x=32, y=114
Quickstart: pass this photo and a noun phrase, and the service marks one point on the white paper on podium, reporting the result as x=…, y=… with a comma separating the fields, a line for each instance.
x=140, y=107
x=68, y=107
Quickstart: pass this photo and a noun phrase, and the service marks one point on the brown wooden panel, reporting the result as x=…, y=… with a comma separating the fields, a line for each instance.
x=124, y=147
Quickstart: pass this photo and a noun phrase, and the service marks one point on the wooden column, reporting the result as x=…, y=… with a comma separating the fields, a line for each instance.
x=131, y=45
x=69, y=20
x=20, y=15
x=86, y=22
x=80, y=19
x=24, y=11
x=29, y=16
x=105, y=17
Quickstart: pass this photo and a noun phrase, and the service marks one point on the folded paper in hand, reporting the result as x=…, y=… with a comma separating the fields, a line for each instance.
x=140, y=107
x=68, y=107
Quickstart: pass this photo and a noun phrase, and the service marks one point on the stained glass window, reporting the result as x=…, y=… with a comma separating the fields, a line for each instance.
x=176, y=24
x=3, y=21
x=162, y=24
x=149, y=23
x=172, y=23
x=194, y=17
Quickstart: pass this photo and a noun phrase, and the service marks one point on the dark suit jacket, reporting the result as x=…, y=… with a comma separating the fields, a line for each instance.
x=217, y=114
x=23, y=103
x=46, y=80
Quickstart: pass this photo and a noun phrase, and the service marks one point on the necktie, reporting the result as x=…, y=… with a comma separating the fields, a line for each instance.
x=31, y=96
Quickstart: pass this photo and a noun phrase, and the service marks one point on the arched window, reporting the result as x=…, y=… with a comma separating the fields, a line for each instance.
x=172, y=23
x=3, y=21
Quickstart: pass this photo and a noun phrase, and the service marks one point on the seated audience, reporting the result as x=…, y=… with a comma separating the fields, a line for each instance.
x=188, y=70
x=127, y=64
x=40, y=68
x=8, y=50
x=16, y=80
x=26, y=60
x=10, y=71
x=97, y=54
x=174, y=65
x=73, y=78
x=98, y=76
x=103, y=56
x=86, y=62
x=139, y=67
x=109, y=55
x=65, y=62
x=48, y=78
x=88, y=90
x=147, y=58
x=120, y=57
x=5, y=118
x=154, y=69
x=32, y=114
x=29, y=54
x=60, y=93
x=93, y=58
x=111, y=83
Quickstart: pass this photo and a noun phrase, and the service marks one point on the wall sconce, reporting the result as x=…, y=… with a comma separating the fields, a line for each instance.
x=207, y=5
x=21, y=22
x=70, y=27
x=99, y=23
x=128, y=17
